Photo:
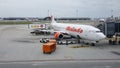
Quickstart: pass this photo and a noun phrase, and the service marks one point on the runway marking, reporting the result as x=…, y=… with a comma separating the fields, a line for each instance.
x=51, y=60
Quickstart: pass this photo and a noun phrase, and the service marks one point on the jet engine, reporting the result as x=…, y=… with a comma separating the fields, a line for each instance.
x=58, y=35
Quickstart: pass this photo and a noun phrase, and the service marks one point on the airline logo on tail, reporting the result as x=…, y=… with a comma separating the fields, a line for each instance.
x=53, y=19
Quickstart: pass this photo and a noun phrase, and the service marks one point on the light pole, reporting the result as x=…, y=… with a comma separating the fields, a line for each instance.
x=111, y=13
x=77, y=13
x=48, y=13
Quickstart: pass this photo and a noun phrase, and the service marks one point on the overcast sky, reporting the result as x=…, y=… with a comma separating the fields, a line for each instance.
x=59, y=8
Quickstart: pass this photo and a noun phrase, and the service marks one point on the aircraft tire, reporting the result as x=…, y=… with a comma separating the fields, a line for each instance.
x=113, y=42
x=119, y=42
x=110, y=41
x=92, y=44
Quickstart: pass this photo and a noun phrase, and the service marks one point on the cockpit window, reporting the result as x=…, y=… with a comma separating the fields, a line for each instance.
x=98, y=31
x=95, y=31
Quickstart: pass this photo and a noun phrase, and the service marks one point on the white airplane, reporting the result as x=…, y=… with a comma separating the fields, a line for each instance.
x=86, y=32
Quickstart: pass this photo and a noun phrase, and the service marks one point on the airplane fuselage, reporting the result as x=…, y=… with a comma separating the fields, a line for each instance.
x=87, y=32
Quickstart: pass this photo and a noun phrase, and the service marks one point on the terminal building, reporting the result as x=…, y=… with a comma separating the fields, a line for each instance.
x=65, y=18
x=32, y=19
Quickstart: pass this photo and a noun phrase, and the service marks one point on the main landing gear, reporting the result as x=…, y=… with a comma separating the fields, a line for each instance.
x=87, y=43
x=92, y=44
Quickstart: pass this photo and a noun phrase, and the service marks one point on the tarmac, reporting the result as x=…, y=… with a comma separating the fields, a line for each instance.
x=17, y=44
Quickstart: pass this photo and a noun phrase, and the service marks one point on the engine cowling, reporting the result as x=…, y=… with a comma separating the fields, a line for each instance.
x=58, y=35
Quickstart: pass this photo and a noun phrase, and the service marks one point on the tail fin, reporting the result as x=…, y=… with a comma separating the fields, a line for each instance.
x=53, y=19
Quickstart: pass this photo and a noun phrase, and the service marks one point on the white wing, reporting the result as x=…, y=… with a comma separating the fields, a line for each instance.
x=53, y=31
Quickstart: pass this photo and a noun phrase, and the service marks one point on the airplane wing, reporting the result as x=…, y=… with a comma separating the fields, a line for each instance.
x=53, y=31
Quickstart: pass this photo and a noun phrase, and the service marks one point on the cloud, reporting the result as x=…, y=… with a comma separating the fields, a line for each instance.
x=60, y=8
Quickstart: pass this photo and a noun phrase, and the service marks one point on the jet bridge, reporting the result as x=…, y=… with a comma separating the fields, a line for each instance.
x=112, y=31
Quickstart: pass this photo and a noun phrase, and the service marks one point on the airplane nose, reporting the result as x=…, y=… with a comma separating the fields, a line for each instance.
x=102, y=36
